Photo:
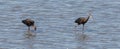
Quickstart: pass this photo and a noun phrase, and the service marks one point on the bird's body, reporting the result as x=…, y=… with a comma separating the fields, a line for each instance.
x=29, y=22
x=82, y=20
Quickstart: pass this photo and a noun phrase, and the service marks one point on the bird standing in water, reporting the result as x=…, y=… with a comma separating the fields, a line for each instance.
x=29, y=22
x=83, y=21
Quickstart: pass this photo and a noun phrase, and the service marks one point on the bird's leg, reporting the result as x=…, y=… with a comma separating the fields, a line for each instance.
x=29, y=33
x=83, y=29
x=28, y=29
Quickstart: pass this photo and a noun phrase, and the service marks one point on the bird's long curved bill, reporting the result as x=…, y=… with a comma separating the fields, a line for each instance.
x=93, y=18
x=34, y=27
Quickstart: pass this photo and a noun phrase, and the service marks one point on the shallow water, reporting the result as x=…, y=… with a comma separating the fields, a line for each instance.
x=55, y=24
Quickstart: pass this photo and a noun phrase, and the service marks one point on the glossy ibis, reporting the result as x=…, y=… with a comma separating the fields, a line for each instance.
x=29, y=22
x=82, y=20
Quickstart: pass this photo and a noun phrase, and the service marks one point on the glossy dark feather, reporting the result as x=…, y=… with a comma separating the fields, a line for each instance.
x=80, y=20
x=29, y=22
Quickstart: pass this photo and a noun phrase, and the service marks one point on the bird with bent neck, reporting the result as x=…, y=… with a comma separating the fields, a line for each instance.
x=28, y=22
x=83, y=20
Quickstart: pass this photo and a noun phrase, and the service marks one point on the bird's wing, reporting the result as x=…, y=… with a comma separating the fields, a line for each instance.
x=28, y=21
x=79, y=20
x=82, y=19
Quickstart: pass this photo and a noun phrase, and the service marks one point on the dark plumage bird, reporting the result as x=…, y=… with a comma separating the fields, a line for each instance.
x=29, y=22
x=82, y=20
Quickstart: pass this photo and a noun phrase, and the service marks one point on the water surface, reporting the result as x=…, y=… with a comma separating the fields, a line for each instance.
x=55, y=24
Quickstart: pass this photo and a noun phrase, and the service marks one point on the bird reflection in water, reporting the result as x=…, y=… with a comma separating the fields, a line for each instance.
x=29, y=41
x=30, y=34
x=81, y=37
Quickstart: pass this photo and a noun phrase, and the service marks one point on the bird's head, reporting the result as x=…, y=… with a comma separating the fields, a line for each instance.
x=90, y=15
x=34, y=27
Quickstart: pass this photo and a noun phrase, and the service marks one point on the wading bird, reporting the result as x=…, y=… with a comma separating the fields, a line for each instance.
x=83, y=21
x=29, y=22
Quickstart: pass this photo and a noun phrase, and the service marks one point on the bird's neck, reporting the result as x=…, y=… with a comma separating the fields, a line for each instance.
x=87, y=18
